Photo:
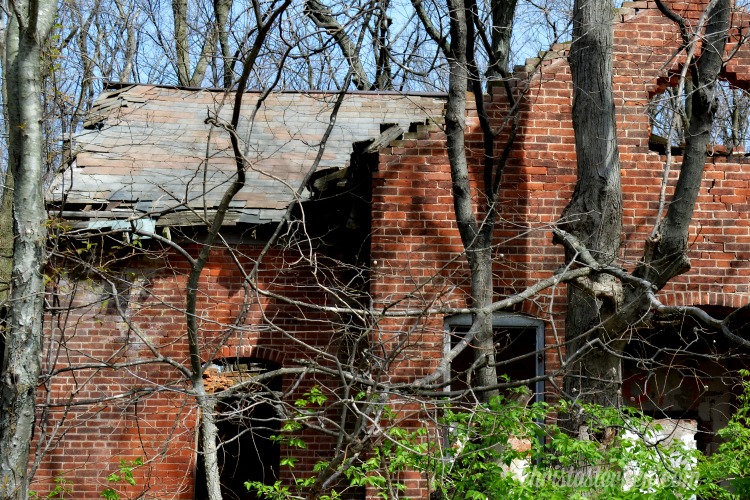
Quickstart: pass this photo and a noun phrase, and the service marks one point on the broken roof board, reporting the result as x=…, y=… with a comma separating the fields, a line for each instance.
x=150, y=147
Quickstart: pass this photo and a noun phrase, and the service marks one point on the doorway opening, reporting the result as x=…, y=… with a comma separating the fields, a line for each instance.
x=247, y=424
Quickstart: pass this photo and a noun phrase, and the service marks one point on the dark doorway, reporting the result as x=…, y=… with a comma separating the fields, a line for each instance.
x=683, y=370
x=246, y=425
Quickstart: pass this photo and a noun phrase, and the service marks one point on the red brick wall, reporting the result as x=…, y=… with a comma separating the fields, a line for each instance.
x=87, y=439
x=415, y=241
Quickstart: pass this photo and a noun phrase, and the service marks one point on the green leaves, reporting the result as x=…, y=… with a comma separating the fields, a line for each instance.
x=124, y=475
x=730, y=464
x=276, y=491
x=509, y=450
x=64, y=487
x=313, y=398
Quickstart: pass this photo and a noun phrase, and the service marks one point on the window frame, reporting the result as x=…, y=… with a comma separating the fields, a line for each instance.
x=501, y=320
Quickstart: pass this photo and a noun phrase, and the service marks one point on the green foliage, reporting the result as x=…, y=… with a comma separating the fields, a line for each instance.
x=314, y=398
x=274, y=491
x=123, y=476
x=508, y=450
x=726, y=473
x=400, y=450
x=616, y=460
x=63, y=488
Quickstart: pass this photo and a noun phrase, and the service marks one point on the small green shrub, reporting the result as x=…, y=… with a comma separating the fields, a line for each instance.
x=123, y=476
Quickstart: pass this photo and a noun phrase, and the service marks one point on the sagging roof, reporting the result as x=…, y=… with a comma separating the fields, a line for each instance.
x=148, y=150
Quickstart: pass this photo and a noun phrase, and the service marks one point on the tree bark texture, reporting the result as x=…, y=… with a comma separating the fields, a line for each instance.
x=182, y=54
x=182, y=46
x=474, y=238
x=601, y=311
x=6, y=240
x=27, y=31
x=666, y=252
x=594, y=213
x=382, y=49
x=6, y=209
x=209, y=437
x=221, y=10
x=503, y=12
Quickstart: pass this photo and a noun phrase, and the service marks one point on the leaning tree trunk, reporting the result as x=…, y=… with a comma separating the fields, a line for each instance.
x=594, y=214
x=324, y=19
x=666, y=251
x=27, y=30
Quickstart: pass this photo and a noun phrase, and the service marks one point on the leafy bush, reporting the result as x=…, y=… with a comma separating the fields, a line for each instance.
x=509, y=450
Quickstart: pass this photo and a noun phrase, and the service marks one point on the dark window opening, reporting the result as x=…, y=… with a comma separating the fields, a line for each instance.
x=246, y=425
x=519, y=351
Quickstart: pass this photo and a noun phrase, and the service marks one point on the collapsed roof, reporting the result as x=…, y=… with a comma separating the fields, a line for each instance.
x=149, y=152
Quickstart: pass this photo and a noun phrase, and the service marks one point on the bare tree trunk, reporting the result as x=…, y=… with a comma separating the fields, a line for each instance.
x=6, y=259
x=600, y=310
x=475, y=220
x=27, y=30
x=205, y=402
x=503, y=12
x=473, y=237
x=182, y=54
x=6, y=209
x=6, y=240
x=126, y=73
x=209, y=47
x=594, y=214
x=209, y=436
x=383, y=73
x=221, y=11
x=86, y=91
x=484, y=344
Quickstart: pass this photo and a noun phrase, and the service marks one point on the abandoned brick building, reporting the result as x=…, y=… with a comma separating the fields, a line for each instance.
x=375, y=229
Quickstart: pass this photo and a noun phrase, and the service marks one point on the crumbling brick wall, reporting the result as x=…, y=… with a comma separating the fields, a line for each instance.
x=99, y=416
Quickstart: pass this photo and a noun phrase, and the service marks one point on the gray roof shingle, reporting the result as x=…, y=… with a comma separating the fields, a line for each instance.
x=150, y=149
